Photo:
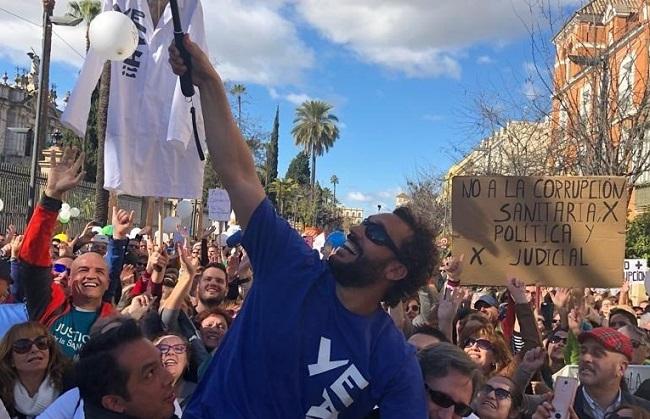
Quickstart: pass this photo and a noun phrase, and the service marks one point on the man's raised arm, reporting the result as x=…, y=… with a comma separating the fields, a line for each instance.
x=231, y=157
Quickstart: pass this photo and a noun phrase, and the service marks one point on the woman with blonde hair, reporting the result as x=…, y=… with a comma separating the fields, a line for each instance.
x=487, y=348
x=33, y=372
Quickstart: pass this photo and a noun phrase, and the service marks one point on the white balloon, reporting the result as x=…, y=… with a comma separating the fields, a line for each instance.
x=65, y=213
x=184, y=208
x=97, y=230
x=170, y=224
x=113, y=36
x=64, y=218
x=65, y=207
x=2, y=205
x=75, y=212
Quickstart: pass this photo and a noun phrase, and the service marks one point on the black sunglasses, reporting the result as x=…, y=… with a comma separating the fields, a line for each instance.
x=60, y=268
x=22, y=346
x=558, y=339
x=413, y=307
x=484, y=344
x=500, y=393
x=377, y=234
x=444, y=401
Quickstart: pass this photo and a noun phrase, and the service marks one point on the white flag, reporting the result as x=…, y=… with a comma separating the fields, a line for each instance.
x=149, y=149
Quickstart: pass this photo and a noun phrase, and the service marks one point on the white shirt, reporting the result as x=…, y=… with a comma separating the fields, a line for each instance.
x=149, y=148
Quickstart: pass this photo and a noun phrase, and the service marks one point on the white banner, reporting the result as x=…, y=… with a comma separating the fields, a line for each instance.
x=218, y=205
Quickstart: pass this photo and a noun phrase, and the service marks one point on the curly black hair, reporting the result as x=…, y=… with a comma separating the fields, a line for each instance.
x=418, y=253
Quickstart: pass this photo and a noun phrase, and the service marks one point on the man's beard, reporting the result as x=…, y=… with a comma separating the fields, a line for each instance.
x=211, y=301
x=358, y=274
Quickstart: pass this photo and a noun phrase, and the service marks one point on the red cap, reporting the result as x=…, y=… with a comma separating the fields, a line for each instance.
x=611, y=339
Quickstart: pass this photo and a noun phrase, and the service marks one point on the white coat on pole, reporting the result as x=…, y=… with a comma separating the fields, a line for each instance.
x=150, y=148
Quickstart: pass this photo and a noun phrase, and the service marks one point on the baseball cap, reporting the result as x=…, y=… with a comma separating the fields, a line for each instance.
x=486, y=299
x=611, y=339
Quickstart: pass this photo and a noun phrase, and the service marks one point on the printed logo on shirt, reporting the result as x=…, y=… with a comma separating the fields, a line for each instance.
x=69, y=339
x=131, y=65
x=349, y=380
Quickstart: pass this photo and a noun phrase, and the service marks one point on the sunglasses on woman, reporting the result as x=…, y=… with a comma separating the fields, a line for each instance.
x=499, y=393
x=377, y=234
x=179, y=348
x=413, y=307
x=60, y=268
x=444, y=401
x=22, y=346
x=484, y=344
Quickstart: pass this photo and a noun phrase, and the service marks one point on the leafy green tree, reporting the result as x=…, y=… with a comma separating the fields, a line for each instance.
x=87, y=10
x=299, y=169
x=238, y=90
x=315, y=129
x=334, y=180
x=283, y=189
x=637, y=239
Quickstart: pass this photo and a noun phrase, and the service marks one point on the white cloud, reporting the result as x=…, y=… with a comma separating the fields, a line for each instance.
x=359, y=196
x=420, y=38
x=250, y=40
x=297, y=98
x=484, y=59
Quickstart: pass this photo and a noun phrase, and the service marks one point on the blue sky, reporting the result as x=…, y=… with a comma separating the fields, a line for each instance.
x=400, y=74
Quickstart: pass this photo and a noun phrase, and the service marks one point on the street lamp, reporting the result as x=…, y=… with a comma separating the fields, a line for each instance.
x=42, y=102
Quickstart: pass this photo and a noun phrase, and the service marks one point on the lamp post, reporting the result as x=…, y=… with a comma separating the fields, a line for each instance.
x=42, y=101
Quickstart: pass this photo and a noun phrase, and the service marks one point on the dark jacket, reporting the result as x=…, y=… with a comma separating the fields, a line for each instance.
x=94, y=412
x=581, y=407
x=46, y=300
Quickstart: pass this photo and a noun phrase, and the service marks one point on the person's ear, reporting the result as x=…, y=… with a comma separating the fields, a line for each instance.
x=622, y=367
x=395, y=271
x=114, y=403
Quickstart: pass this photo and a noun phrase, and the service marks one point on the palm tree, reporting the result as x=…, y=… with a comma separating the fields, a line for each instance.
x=283, y=189
x=334, y=180
x=87, y=10
x=238, y=90
x=315, y=129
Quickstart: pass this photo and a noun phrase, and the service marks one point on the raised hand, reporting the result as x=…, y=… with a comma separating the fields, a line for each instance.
x=16, y=244
x=10, y=234
x=157, y=261
x=517, y=290
x=454, y=267
x=186, y=259
x=207, y=231
x=533, y=360
x=202, y=70
x=448, y=305
x=139, y=306
x=127, y=275
x=65, y=174
x=122, y=223
x=560, y=297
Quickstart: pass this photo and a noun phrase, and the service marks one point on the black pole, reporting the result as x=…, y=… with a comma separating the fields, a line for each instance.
x=42, y=104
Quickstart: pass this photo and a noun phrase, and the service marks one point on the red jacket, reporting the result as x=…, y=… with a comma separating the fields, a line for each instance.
x=46, y=300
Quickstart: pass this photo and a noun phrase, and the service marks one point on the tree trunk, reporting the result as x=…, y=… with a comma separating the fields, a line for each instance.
x=313, y=170
x=101, y=194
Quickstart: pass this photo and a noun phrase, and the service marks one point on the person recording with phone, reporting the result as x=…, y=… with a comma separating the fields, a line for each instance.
x=605, y=354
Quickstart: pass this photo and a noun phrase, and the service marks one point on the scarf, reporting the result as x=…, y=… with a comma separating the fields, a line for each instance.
x=33, y=406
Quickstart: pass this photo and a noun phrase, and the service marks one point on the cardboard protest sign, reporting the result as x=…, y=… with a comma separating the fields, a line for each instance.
x=557, y=231
x=635, y=269
x=218, y=205
x=634, y=375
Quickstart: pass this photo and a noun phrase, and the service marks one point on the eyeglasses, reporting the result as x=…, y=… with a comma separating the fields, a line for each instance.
x=22, y=346
x=444, y=401
x=377, y=234
x=484, y=344
x=179, y=348
x=60, y=268
x=413, y=307
x=557, y=339
x=500, y=393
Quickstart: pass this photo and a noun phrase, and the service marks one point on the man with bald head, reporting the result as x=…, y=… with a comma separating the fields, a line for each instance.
x=69, y=314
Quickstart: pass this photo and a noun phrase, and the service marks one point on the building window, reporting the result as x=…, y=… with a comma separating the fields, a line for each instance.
x=585, y=101
x=626, y=85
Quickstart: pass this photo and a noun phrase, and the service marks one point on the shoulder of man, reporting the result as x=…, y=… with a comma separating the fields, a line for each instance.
x=631, y=399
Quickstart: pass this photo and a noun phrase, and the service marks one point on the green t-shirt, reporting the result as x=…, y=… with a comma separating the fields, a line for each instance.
x=72, y=330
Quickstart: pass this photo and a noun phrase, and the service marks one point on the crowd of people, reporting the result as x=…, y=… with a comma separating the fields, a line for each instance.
x=375, y=326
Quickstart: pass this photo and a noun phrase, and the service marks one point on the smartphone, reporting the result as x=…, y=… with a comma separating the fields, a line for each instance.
x=564, y=392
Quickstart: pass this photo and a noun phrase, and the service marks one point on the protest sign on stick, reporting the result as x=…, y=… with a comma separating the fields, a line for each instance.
x=557, y=231
x=218, y=205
